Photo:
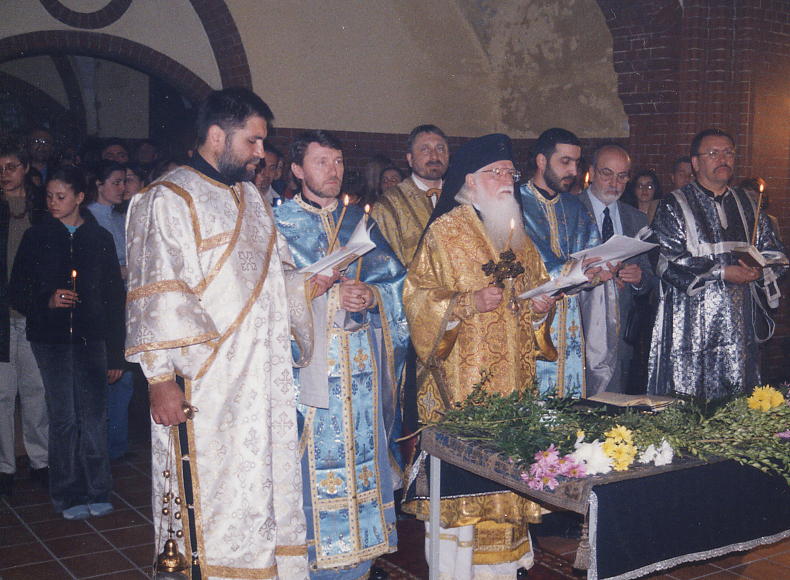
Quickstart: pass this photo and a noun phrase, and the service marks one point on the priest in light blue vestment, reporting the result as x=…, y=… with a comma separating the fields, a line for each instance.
x=559, y=225
x=348, y=411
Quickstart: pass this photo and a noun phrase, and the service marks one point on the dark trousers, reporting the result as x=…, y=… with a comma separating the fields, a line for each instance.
x=75, y=381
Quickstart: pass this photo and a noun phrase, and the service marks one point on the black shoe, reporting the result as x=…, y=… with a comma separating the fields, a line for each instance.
x=377, y=573
x=522, y=573
x=6, y=484
x=40, y=476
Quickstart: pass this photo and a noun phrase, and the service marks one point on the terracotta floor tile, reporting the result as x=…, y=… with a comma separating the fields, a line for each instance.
x=38, y=513
x=60, y=528
x=22, y=497
x=78, y=545
x=763, y=570
x=127, y=575
x=7, y=517
x=23, y=554
x=15, y=535
x=120, y=518
x=48, y=571
x=137, y=497
x=95, y=564
x=690, y=571
x=133, y=536
x=557, y=545
x=783, y=559
x=142, y=556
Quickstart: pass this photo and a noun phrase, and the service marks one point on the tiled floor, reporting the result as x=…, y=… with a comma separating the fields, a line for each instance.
x=36, y=543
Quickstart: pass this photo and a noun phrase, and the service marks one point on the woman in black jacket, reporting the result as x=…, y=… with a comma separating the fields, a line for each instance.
x=67, y=282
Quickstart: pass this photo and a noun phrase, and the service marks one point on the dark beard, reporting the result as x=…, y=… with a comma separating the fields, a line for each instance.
x=554, y=182
x=231, y=168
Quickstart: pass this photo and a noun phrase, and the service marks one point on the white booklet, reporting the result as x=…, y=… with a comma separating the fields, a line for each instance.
x=616, y=249
x=358, y=244
x=561, y=284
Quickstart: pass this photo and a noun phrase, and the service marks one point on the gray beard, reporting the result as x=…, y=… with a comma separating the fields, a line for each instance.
x=496, y=215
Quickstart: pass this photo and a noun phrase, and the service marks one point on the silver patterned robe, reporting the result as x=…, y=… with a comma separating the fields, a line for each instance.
x=208, y=303
x=705, y=338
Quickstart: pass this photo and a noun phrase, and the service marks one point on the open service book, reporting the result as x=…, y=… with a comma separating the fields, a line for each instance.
x=616, y=249
x=358, y=244
x=655, y=402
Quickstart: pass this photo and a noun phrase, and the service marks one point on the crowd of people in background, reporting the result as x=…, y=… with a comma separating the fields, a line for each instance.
x=63, y=252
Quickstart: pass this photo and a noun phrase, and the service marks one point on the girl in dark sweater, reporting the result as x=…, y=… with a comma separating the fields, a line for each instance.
x=67, y=282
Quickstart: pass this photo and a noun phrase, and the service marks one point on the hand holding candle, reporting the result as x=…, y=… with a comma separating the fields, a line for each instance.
x=331, y=247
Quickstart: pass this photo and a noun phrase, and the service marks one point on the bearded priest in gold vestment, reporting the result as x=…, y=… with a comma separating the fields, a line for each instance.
x=461, y=323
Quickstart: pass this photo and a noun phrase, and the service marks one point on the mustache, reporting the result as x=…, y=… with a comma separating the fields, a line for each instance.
x=439, y=163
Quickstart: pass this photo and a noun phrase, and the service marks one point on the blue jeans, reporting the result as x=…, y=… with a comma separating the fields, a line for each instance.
x=75, y=381
x=118, y=396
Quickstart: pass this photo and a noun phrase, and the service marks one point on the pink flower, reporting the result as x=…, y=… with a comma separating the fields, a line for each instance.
x=784, y=434
x=547, y=455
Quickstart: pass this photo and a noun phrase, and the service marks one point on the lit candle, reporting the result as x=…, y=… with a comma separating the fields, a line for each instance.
x=586, y=179
x=359, y=262
x=510, y=235
x=331, y=246
x=74, y=281
x=757, y=214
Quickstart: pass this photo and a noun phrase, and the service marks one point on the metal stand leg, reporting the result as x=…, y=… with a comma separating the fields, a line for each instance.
x=436, y=475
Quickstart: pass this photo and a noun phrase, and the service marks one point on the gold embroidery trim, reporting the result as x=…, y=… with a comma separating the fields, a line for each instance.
x=158, y=288
x=162, y=378
x=171, y=343
x=214, y=241
x=244, y=311
x=231, y=572
x=215, y=270
x=183, y=194
x=300, y=550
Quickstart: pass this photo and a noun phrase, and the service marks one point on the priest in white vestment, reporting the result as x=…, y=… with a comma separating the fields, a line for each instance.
x=208, y=320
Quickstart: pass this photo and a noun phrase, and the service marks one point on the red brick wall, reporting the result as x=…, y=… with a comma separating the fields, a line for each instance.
x=723, y=63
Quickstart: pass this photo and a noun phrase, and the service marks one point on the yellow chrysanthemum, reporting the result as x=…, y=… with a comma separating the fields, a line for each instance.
x=580, y=433
x=765, y=398
x=620, y=433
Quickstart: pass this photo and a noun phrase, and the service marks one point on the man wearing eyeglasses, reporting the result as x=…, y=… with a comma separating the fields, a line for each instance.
x=462, y=323
x=710, y=320
x=606, y=310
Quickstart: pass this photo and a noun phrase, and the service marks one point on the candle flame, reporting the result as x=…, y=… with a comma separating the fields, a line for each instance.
x=762, y=187
x=512, y=224
x=586, y=178
x=73, y=273
x=367, y=208
x=345, y=199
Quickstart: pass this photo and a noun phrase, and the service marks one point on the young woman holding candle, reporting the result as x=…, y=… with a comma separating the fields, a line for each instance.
x=76, y=327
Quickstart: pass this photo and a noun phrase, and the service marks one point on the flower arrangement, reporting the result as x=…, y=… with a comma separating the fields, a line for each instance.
x=556, y=439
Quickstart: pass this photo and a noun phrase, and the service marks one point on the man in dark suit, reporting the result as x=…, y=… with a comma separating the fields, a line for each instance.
x=605, y=311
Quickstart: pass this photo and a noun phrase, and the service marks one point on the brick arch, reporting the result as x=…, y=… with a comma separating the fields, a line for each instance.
x=127, y=52
x=225, y=40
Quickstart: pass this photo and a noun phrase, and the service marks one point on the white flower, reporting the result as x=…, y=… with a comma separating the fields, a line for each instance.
x=661, y=456
x=648, y=455
x=665, y=453
x=593, y=457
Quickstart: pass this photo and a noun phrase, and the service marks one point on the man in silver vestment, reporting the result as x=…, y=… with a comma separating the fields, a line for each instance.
x=711, y=314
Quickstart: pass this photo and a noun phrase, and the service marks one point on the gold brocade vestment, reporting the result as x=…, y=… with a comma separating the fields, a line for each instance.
x=458, y=341
x=402, y=214
x=439, y=289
